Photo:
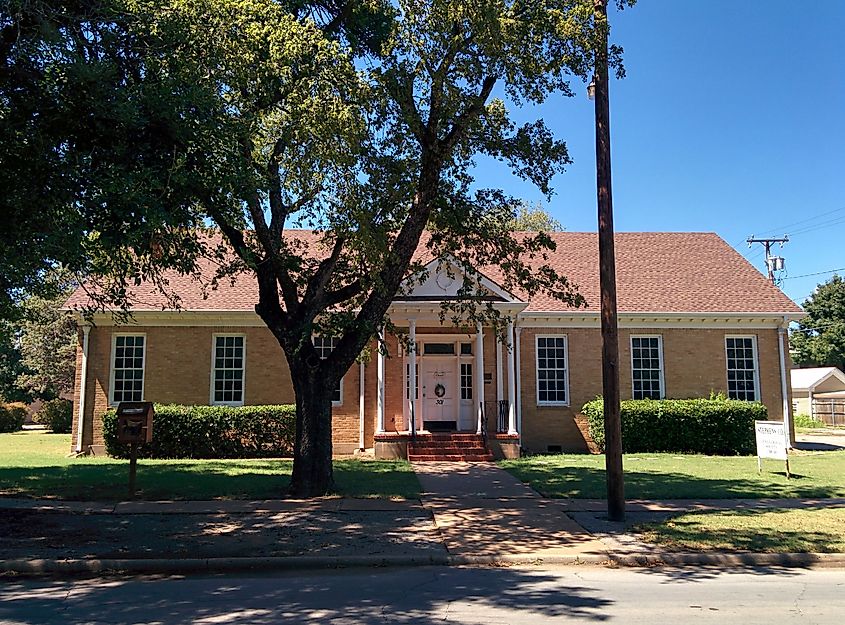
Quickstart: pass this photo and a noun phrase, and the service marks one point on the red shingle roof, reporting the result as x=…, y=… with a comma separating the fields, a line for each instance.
x=672, y=272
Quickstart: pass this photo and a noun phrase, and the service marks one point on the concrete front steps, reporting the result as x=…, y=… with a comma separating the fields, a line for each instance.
x=449, y=448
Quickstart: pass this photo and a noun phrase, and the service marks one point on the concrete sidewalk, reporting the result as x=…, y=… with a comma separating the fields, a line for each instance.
x=483, y=511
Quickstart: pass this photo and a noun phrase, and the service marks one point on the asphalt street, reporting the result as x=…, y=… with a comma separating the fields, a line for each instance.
x=486, y=596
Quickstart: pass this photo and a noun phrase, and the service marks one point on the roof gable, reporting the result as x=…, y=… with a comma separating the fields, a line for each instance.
x=443, y=279
x=813, y=377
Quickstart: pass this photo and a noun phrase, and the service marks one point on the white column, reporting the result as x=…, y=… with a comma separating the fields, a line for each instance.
x=83, y=388
x=500, y=382
x=361, y=405
x=412, y=374
x=511, y=380
x=380, y=378
x=518, y=380
x=479, y=373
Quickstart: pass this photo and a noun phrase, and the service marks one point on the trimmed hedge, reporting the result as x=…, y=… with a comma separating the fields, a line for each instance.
x=707, y=426
x=12, y=418
x=56, y=414
x=211, y=432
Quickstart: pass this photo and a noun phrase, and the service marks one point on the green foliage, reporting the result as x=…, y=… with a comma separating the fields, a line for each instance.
x=56, y=414
x=533, y=218
x=819, y=339
x=12, y=418
x=211, y=432
x=706, y=426
x=38, y=346
x=802, y=420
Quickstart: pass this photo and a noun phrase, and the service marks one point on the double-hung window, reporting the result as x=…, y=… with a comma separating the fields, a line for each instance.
x=552, y=371
x=324, y=346
x=647, y=367
x=127, y=373
x=227, y=375
x=743, y=373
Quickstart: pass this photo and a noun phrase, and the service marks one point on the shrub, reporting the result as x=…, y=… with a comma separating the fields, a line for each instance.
x=211, y=432
x=11, y=418
x=56, y=414
x=709, y=426
x=802, y=420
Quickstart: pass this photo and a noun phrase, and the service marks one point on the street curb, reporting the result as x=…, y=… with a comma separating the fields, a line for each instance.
x=80, y=567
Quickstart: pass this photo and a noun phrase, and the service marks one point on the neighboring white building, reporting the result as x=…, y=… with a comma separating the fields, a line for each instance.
x=819, y=392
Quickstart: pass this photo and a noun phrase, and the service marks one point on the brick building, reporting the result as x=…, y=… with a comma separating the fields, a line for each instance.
x=694, y=318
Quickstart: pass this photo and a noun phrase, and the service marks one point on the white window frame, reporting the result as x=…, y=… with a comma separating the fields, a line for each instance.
x=662, y=380
x=756, y=356
x=211, y=401
x=333, y=339
x=114, y=336
x=537, y=369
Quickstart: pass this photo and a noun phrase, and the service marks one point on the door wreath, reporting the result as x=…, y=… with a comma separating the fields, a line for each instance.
x=440, y=390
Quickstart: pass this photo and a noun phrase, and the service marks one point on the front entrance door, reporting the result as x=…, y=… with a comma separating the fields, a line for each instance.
x=439, y=392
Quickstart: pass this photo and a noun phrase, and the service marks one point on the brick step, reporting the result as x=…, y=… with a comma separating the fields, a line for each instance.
x=447, y=450
x=450, y=437
x=465, y=444
x=450, y=457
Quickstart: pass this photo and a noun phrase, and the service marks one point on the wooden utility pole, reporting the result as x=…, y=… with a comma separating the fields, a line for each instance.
x=607, y=277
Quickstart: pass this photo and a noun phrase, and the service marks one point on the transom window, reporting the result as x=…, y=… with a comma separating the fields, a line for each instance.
x=228, y=374
x=741, y=352
x=466, y=380
x=128, y=368
x=647, y=367
x=439, y=349
x=552, y=375
x=324, y=346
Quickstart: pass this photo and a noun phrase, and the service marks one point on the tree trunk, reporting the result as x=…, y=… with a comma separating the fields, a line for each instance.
x=312, y=453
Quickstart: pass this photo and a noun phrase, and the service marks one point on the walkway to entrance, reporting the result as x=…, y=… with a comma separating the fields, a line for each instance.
x=482, y=510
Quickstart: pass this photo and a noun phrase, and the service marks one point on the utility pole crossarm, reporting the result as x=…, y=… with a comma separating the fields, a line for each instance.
x=770, y=260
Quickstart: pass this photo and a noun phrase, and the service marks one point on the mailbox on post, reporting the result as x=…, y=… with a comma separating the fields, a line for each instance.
x=135, y=422
x=134, y=426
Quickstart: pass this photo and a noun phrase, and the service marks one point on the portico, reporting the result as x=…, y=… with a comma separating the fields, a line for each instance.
x=464, y=379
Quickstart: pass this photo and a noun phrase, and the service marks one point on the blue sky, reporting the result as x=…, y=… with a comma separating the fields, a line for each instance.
x=731, y=119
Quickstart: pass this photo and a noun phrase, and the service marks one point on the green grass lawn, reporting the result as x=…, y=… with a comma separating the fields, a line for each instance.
x=35, y=464
x=679, y=476
x=780, y=531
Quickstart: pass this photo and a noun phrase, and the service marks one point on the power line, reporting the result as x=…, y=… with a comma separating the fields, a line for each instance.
x=817, y=273
x=799, y=222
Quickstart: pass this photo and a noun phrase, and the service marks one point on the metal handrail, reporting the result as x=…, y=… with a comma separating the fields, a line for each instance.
x=482, y=419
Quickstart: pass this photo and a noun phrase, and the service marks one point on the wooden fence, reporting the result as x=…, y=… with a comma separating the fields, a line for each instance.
x=831, y=411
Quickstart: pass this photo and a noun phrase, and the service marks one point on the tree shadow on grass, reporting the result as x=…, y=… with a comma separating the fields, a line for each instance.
x=564, y=481
x=197, y=480
x=421, y=595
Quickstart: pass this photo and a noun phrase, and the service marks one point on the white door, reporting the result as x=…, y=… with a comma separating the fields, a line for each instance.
x=438, y=389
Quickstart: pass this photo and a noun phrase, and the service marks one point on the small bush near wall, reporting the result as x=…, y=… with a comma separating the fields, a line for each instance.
x=211, y=432
x=708, y=426
x=12, y=417
x=802, y=420
x=56, y=414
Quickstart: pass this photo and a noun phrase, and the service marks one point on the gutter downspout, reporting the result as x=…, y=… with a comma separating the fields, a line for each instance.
x=83, y=387
x=361, y=406
x=787, y=417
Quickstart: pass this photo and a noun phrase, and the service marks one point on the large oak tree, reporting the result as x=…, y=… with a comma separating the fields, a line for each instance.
x=155, y=124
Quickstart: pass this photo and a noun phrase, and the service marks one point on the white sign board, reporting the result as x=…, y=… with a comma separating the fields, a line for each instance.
x=771, y=439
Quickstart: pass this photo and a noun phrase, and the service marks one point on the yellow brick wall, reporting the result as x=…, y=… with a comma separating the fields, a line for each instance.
x=178, y=370
x=694, y=364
